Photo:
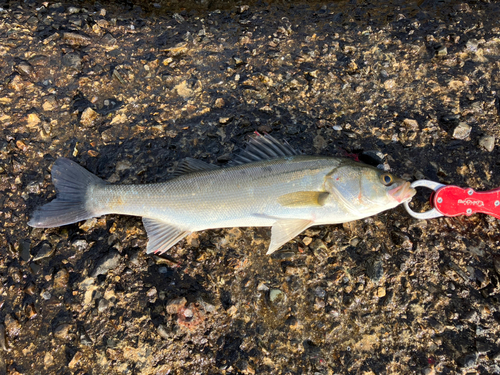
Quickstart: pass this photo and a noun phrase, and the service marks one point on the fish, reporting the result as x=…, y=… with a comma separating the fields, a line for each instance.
x=269, y=184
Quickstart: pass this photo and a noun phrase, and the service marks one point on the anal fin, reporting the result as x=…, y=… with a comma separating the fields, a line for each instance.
x=284, y=230
x=162, y=236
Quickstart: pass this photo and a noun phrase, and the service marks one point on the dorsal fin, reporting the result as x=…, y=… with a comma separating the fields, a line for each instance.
x=189, y=165
x=263, y=147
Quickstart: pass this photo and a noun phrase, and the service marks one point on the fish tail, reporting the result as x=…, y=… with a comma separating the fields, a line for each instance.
x=72, y=183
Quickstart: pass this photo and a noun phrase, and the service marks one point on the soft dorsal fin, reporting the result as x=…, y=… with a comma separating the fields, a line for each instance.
x=162, y=236
x=263, y=147
x=189, y=165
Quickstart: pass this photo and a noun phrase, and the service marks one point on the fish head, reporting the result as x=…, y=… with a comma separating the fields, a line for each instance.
x=367, y=190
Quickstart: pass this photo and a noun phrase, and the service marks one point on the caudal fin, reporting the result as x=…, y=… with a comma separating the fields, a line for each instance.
x=72, y=182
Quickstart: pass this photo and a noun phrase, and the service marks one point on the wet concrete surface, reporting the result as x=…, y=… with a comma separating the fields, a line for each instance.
x=129, y=92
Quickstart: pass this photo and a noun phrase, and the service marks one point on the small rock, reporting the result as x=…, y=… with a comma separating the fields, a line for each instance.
x=48, y=359
x=120, y=118
x=44, y=251
x=12, y=326
x=162, y=331
x=62, y=331
x=390, y=84
x=46, y=295
x=441, y=51
x=108, y=262
x=307, y=240
x=462, y=131
x=3, y=338
x=25, y=69
x=262, y=287
x=72, y=60
x=320, y=292
x=24, y=250
x=88, y=225
x=183, y=90
x=76, y=358
x=375, y=270
x=276, y=295
x=472, y=45
x=103, y=305
x=173, y=306
x=219, y=103
x=318, y=245
x=487, y=142
x=33, y=120
x=61, y=278
x=410, y=123
x=224, y=120
x=469, y=360
x=73, y=10
x=381, y=292
x=88, y=117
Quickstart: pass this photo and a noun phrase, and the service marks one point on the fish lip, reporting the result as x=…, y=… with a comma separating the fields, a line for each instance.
x=403, y=192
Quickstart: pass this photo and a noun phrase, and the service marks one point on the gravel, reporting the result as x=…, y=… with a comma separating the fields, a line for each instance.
x=129, y=91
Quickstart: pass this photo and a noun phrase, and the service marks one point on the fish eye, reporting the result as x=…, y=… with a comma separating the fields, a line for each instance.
x=387, y=179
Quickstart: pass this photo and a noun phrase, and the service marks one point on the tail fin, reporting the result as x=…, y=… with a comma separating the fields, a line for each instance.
x=72, y=182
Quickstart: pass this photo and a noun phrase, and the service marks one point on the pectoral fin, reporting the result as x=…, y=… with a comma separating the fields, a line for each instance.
x=284, y=230
x=162, y=236
x=303, y=199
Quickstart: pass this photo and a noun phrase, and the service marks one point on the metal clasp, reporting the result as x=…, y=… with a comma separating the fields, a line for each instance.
x=433, y=213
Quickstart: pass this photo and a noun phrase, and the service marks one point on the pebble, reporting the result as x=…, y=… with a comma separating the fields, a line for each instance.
x=24, y=250
x=33, y=120
x=307, y=240
x=46, y=295
x=410, y=123
x=183, y=90
x=48, y=359
x=12, y=326
x=375, y=270
x=103, y=305
x=25, y=69
x=219, y=103
x=262, y=287
x=472, y=45
x=441, y=51
x=174, y=305
x=462, y=131
x=469, y=360
x=487, y=142
x=275, y=295
x=88, y=117
x=320, y=292
x=61, y=278
x=162, y=331
x=72, y=60
x=3, y=338
x=62, y=331
x=76, y=358
x=108, y=262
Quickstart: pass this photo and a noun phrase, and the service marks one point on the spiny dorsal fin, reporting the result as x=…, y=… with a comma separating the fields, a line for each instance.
x=263, y=147
x=162, y=236
x=303, y=199
x=190, y=165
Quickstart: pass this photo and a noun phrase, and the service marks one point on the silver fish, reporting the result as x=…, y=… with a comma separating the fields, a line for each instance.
x=269, y=184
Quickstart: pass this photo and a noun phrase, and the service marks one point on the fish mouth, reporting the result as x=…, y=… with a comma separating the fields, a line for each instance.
x=403, y=192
